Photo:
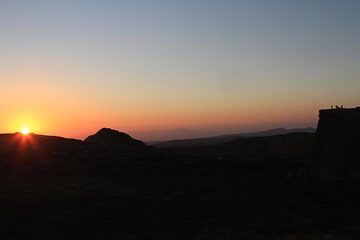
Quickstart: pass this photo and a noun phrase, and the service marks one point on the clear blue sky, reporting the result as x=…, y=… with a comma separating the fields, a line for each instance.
x=136, y=65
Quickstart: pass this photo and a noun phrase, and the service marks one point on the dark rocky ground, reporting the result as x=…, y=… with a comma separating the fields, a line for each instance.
x=54, y=188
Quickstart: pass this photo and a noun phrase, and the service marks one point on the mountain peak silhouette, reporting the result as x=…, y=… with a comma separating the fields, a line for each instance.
x=114, y=138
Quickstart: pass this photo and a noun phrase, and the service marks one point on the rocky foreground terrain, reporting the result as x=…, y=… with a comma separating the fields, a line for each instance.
x=112, y=186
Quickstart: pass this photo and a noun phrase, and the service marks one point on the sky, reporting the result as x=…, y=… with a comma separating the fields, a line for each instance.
x=71, y=67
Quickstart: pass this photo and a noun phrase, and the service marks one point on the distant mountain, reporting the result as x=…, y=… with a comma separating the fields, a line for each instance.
x=228, y=138
x=156, y=136
x=114, y=138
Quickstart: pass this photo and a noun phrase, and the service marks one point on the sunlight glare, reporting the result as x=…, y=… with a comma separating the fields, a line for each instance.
x=25, y=131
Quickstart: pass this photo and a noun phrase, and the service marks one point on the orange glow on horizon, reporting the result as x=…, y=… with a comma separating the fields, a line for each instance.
x=25, y=131
x=52, y=110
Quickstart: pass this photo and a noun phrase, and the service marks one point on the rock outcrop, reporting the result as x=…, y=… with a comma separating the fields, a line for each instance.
x=114, y=138
x=337, y=145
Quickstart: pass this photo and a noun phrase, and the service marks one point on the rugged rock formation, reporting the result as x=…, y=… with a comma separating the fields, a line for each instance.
x=337, y=147
x=113, y=138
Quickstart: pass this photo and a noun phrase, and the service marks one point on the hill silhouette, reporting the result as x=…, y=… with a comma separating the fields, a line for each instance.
x=114, y=138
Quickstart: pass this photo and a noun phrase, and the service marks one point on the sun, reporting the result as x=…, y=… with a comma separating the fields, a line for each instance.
x=25, y=131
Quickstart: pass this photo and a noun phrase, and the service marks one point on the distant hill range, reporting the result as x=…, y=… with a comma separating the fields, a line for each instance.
x=156, y=136
x=215, y=140
x=296, y=143
x=106, y=140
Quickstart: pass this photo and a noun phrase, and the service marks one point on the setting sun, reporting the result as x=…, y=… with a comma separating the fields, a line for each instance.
x=25, y=131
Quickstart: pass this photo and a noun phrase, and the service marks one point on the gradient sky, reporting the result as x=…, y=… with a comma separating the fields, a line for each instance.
x=71, y=67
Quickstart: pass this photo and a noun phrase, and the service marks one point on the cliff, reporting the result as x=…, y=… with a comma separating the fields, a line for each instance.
x=337, y=145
